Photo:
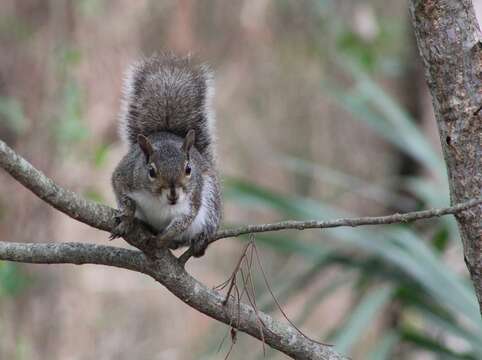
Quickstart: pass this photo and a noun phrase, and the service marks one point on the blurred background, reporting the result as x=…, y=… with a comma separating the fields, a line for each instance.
x=322, y=112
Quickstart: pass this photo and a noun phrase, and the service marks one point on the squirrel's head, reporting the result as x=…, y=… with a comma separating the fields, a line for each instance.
x=169, y=168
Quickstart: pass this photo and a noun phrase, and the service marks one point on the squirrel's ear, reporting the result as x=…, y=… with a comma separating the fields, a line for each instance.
x=145, y=145
x=188, y=141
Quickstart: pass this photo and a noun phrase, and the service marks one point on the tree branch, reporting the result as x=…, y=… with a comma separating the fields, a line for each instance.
x=352, y=222
x=167, y=271
x=450, y=45
x=161, y=265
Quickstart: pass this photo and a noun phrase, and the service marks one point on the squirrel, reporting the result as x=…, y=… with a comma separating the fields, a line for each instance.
x=168, y=178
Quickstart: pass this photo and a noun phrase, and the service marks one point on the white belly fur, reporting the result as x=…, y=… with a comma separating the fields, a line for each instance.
x=156, y=211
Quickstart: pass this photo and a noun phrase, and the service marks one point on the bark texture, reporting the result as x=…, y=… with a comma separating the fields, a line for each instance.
x=450, y=44
x=159, y=263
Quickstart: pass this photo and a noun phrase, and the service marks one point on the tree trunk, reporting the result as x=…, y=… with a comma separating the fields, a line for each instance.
x=450, y=44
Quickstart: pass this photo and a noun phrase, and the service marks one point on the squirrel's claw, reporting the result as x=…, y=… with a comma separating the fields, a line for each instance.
x=115, y=234
x=199, y=245
x=124, y=226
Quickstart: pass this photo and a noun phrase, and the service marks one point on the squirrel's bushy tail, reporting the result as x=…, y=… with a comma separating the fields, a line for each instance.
x=168, y=93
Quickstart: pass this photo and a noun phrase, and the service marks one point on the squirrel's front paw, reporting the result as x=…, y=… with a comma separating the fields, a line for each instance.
x=123, y=227
x=199, y=244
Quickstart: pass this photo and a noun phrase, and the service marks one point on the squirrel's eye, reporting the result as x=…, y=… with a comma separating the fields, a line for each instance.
x=152, y=171
x=188, y=169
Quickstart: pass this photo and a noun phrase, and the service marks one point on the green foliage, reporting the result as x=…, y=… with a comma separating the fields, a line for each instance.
x=94, y=195
x=12, y=279
x=14, y=28
x=398, y=256
x=395, y=271
x=363, y=313
x=394, y=255
x=70, y=128
x=90, y=8
x=422, y=341
x=385, y=346
x=369, y=103
x=441, y=238
x=100, y=155
x=11, y=114
x=381, y=51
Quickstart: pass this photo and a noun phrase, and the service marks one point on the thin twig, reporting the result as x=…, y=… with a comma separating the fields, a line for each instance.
x=245, y=262
x=350, y=221
x=276, y=300
x=232, y=332
x=252, y=302
x=233, y=276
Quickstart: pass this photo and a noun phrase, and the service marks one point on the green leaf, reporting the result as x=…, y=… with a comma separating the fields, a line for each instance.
x=452, y=326
x=100, y=155
x=71, y=56
x=413, y=140
x=370, y=103
x=12, y=279
x=91, y=8
x=353, y=46
x=394, y=244
x=94, y=195
x=361, y=318
x=381, y=193
x=11, y=114
x=70, y=127
x=440, y=239
x=326, y=291
x=384, y=348
x=422, y=341
x=285, y=288
x=15, y=28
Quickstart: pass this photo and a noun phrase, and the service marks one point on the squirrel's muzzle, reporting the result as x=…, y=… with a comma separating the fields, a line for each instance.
x=172, y=196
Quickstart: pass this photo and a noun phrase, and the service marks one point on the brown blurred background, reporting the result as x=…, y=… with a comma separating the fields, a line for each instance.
x=284, y=73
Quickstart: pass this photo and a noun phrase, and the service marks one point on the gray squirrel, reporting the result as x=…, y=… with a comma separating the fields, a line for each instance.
x=168, y=178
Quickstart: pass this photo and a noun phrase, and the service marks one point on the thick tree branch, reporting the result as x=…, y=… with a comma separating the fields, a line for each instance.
x=167, y=271
x=450, y=44
x=163, y=266
x=71, y=204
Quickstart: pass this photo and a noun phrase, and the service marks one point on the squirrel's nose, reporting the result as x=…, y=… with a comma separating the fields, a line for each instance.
x=172, y=197
x=172, y=200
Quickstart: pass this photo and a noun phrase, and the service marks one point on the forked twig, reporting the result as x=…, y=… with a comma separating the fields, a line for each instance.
x=233, y=276
x=244, y=267
x=277, y=302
